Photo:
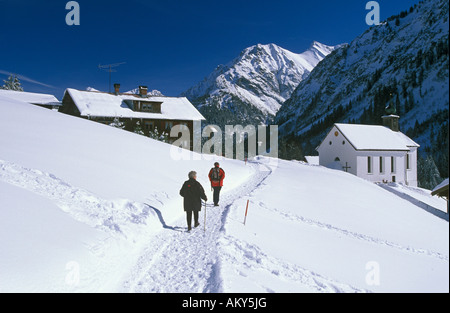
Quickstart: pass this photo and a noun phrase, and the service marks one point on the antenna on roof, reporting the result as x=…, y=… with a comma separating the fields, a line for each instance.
x=110, y=68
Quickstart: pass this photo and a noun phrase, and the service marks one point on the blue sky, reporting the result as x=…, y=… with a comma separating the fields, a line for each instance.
x=167, y=45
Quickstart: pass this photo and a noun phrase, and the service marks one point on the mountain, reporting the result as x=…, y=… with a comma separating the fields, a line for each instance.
x=403, y=62
x=252, y=87
x=135, y=91
x=155, y=93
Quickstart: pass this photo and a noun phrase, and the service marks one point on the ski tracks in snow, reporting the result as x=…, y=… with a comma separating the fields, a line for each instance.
x=355, y=235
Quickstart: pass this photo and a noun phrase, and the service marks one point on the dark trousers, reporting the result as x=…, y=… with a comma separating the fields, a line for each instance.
x=216, y=197
x=189, y=218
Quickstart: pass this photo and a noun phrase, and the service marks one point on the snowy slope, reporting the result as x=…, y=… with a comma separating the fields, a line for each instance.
x=254, y=85
x=311, y=229
x=100, y=177
x=37, y=241
x=88, y=201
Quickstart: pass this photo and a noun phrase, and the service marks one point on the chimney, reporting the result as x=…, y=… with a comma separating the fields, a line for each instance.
x=143, y=91
x=116, y=89
x=391, y=121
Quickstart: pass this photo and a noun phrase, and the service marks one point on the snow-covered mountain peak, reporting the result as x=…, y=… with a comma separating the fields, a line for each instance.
x=134, y=91
x=156, y=93
x=255, y=84
x=319, y=50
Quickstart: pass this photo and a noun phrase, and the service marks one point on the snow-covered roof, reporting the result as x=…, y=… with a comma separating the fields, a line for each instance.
x=101, y=104
x=30, y=97
x=441, y=186
x=314, y=160
x=372, y=137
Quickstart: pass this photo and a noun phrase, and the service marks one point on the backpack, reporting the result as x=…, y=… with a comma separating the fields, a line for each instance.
x=215, y=174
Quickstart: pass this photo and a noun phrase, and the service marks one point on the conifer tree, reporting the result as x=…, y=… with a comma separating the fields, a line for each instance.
x=12, y=83
x=117, y=123
x=428, y=173
x=138, y=129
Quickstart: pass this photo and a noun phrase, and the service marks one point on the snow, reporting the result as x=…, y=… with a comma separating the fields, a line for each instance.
x=155, y=92
x=421, y=197
x=30, y=97
x=98, y=178
x=372, y=137
x=99, y=104
x=91, y=208
x=38, y=240
x=92, y=89
x=313, y=160
x=264, y=76
x=312, y=229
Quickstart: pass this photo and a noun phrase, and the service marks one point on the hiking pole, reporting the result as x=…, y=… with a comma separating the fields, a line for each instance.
x=204, y=226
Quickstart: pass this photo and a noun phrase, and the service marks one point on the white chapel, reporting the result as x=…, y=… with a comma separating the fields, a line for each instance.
x=380, y=154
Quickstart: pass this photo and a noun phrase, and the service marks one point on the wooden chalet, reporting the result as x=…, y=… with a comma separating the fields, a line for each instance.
x=153, y=112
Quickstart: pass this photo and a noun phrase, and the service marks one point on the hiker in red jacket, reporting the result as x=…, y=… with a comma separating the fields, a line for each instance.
x=216, y=176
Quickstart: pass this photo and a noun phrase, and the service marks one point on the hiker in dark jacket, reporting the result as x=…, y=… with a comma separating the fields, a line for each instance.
x=193, y=193
x=216, y=176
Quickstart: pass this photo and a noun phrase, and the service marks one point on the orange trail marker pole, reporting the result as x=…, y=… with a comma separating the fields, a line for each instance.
x=246, y=211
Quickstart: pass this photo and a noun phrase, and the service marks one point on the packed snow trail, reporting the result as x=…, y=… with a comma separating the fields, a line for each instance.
x=176, y=261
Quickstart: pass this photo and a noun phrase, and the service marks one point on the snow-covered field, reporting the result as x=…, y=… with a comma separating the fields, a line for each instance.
x=314, y=229
x=88, y=208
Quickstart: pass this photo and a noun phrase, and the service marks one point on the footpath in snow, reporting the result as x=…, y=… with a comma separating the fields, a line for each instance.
x=176, y=261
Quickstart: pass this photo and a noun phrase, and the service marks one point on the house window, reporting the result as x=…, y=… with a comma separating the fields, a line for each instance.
x=337, y=160
x=168, y=126
x=331, y=143
x=408, y=161
x=145, y=106
x=369, y=165
x=149, y=125
x=392, y=164
x=381, y=165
